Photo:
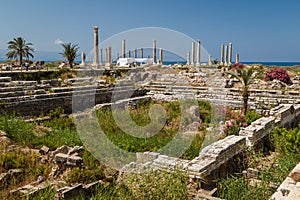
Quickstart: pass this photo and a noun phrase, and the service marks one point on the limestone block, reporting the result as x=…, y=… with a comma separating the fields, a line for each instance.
x=44, y=150
x=74, y=192
x=74, y=160
x=61, y=158
x=77, y=150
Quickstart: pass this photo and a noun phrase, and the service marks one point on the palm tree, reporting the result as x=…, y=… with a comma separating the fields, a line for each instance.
x=70, y=52
x=19, y=48
x=246, y=77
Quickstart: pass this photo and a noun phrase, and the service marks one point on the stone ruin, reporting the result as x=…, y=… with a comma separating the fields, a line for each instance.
x=213, y=161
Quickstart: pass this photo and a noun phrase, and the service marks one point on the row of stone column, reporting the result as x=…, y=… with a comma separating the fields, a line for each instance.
x=226, y=55
x=192, y=61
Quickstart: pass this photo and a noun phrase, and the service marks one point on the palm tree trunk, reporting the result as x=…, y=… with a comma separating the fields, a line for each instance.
x=245, y=100
x=21, y=60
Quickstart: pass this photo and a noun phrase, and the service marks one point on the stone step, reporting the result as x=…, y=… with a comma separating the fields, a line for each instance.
x=5, y=79
x=11, y=89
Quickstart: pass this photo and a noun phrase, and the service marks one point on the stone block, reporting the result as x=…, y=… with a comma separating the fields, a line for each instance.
x=252, y=173
x=74, y=160
x=92, y=188
x=77, y=150
x=75, y=192
x=61, y=158
x=44, y=150
x=63, y=149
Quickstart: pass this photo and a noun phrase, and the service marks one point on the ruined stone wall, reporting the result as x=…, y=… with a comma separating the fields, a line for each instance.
x=216, y=160
x=232, y=97
x=43, y=103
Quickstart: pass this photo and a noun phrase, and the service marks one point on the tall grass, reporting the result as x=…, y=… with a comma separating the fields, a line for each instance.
x=140, y=117
x=60, y=132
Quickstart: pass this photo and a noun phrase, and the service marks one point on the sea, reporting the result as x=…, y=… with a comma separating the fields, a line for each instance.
x=279, y=64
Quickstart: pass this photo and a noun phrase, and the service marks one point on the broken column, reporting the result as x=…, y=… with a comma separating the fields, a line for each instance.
x=123, y=49
x=210, y=60
x=96, y=47
x=237, y=58
x=230, y=54
x=83, y=59
x=198, y=53
x=222, y=55
x=193, y=53
x=160, y=56
x=154, y=51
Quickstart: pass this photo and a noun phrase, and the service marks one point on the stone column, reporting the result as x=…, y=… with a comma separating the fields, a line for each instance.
x=237, y=58
x=129, y=54
x=83, y=59
x=226, y=55
x=188, y=59
x=230, y=54
x=160, y=56
x=222, y=55
x=193, y=53
x=123, y=49
x=106, y=57
x=154, y=51
x=135, y=53
x=142, y=53
x=210, y=60
x=96, y=47
x=110, y=55
x=101, y=57
x=198, y=53
x=118, y=55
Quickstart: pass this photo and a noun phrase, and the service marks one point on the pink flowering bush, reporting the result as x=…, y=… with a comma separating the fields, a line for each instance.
x=236, y=120
x=237, y=66
x=278, y=74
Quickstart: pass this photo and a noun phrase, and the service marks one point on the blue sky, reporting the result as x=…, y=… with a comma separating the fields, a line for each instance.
x=260, y=30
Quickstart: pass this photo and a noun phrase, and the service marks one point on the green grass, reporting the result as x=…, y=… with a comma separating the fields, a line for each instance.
x=140, y=117
x=61, y=132
x=149, y=185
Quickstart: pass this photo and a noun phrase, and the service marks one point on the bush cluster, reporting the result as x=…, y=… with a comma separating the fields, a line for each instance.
x=278, y=74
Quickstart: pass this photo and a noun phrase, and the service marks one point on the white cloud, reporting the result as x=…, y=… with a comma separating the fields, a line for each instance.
x=58, y=41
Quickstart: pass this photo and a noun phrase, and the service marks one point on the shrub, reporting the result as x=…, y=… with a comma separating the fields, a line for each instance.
x=251, y=116
x=278, y=74
x=287, y=141
x=237, y=66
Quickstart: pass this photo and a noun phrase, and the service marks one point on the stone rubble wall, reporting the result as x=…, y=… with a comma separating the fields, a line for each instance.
x=212, y=159
x=258, y=99
x=31, y=99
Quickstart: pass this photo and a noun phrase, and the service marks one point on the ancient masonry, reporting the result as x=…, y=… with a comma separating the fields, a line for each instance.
x=215, y=160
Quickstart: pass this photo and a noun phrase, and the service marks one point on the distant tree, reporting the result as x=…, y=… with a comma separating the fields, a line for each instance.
x=246, y=77
x=19, y=48
x=70, y=52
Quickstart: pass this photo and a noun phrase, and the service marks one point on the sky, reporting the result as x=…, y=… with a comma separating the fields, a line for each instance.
x=260, y=30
